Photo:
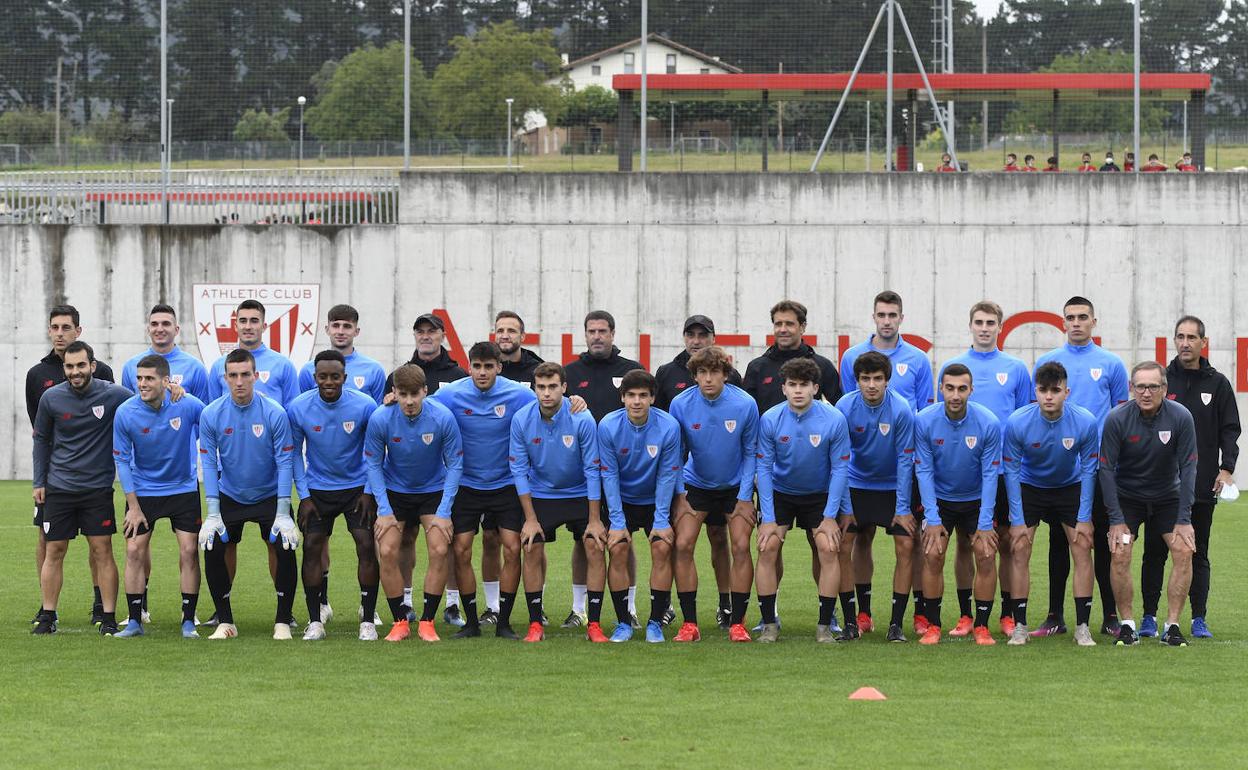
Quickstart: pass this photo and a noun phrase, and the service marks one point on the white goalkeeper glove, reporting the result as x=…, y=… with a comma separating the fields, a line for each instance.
x=213, y=525
x=284, y=526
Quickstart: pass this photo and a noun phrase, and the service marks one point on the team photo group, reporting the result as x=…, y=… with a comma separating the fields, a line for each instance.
x=960, y=462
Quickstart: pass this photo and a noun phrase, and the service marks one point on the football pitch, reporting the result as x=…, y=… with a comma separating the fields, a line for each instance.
x=78, y=699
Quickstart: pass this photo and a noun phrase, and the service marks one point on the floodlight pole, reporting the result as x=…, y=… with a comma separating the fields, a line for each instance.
x=407, y=85
x=949, y=63
x=645, y=86
x=164, y=115
x=888, y=93
x=1136, y=85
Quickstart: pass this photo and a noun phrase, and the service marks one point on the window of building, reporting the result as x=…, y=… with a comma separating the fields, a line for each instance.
x=705, y=71
x=671, y=64
x=628, y=63
x=596, y=69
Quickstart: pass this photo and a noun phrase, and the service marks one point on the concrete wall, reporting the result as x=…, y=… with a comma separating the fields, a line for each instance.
x=655, y=249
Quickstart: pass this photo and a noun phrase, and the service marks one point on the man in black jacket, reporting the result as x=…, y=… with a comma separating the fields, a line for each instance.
x=595, y=376
x=518, y=362
x=64, y=327
x=430, y=356
x=1208, y=395
x=762, y=376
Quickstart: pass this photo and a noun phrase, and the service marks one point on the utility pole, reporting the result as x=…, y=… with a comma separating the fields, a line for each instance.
x=780, y=117
x=984, y=44
x=58, y=107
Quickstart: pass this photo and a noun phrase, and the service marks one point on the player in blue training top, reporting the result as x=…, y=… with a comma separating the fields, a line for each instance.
x=911, y=370
x=154, y=450
x=553, y=455
x=245, y=447
x=1098, y=382
x=331, y=421
x=483, y=405
x=881, y=473
x=719, y=427
x=1003, y=384
x=363, y=373
x=639, y=449
x=275, y=374
x=957, y=448
x=184, y=368
x=803, y=469
x=415, y=459
x=1050, y=453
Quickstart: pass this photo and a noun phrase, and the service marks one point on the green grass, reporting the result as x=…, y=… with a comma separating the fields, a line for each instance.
x=252, y=702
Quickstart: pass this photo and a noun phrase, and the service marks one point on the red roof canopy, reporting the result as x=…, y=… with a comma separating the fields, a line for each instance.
x=971, y=86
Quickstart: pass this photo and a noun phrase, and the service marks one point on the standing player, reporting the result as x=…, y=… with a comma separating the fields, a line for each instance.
x=595, y=376
x=1148, y=474
x=639, y=450
x=803, y=467
x=1098, y=381
x=63, y=328
x=881, y=470
x=245, y=447
x=762, y=376
x=275, y=377
x=415, y=459
x=1208, y=395
x=1050, y=456
x=436, y=362
x=364, y=374
x=184, y=368
x=483, y=406
x=673, y=378
x=719, y=426
x=331, y=422
x=957, y=460
x=554, y=463
x=73, y=480
x=154, y=450
x=1002, y=383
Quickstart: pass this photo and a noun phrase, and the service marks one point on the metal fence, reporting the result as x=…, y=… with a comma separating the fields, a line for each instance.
x=233, y=197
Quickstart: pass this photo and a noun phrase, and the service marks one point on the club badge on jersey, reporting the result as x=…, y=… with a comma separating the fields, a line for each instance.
x=1002, y=377
x=615, y=382
x=98, y=411
x=1164, y=435
x=1068, y=443
x=359, y=382
x=257, y=430
x=1205, y=398
x=1096, y=374
x=971, y=441
x=568, y=441
x=652, y=450
x=348, y=425
x=176, y=423
x=902, y=369
x=730, y=425
x=264, y=376
x=176, y=379
x=815, y=439
x=427, y=438
x=884, y=427
x=500, y=410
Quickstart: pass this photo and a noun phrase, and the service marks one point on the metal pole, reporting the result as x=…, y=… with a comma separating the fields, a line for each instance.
x=672, y=147
x=645, y=86
x=509, y=102
x=164, y=109
x=888, y=94
x=868, y=136
x=1136, y=83
x=169, y=159
x=302, y=101
x=840, y=105
x=1184, y=126
x=949, y=63
x=407, y=86
x=944, y=126
x=984, y=44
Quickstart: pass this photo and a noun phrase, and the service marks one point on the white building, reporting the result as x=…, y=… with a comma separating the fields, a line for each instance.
x=663, y=57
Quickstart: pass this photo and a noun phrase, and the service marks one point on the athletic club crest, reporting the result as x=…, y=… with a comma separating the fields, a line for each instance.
x=615, y=382
x=348, y=425
x=427, y=438
x=98, y=411
x=1205, y=398
x=176, y=379
x=652, y=450
x=500, y=410
x=291, y=312
x=257, y=430
x=884, y=427
x=902, y=369
x=730, y=425
x=568, y=441
x=1164, y=435
x=1002, y=377
x=359, y=382
x=1095, y=373
x=815, y=439
x=971, y=441
x=175, y=423
x=264, y=376
x=1068, y=443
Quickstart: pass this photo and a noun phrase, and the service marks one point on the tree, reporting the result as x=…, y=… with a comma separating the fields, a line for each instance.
x=592, y=104
x=500, y=62
x=261, y=126
x=364, y=98
x=27, y=126
x=1093, y=116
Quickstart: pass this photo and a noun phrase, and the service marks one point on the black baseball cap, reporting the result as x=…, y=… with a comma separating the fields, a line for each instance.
x=432, y=319
x=700, y=320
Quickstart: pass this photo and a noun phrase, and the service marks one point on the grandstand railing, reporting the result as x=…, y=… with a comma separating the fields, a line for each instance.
x=227, y=197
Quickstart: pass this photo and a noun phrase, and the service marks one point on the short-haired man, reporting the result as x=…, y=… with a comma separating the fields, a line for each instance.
x=1050, y=454
x=719, y=426
x=673, y=378
x=415, y=459
x=803, y=467
x=881, y=473
x=184, y=368
x=1098, y=382
x=762, y=376
x=639, y=450
x=154, y=450
x=1148, y=475
x=484, y=405
x=1208, y=395
x=554, y=463
x=342, y=326
x=276, y=377
x=1002, y=383
x=518, y=361
x=64, y=327
x=434, y=359
x=245, y=448
x=327, y=427
x=73, y=480
x=958, y=459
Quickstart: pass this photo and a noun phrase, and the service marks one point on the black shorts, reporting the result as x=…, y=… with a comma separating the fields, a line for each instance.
x=805, y=510
x=1161, y=515
x=552, y=513
x=489, y=508
x=962, y=516
x=715, y=503
x=409, y=507
x=637, y=517
x=1055, y=506
x=38, y=517
x=65, y=514
x=1001, y=509
x=182, y=510
x=236, y=514
x=329, y=504
x=875, y=508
